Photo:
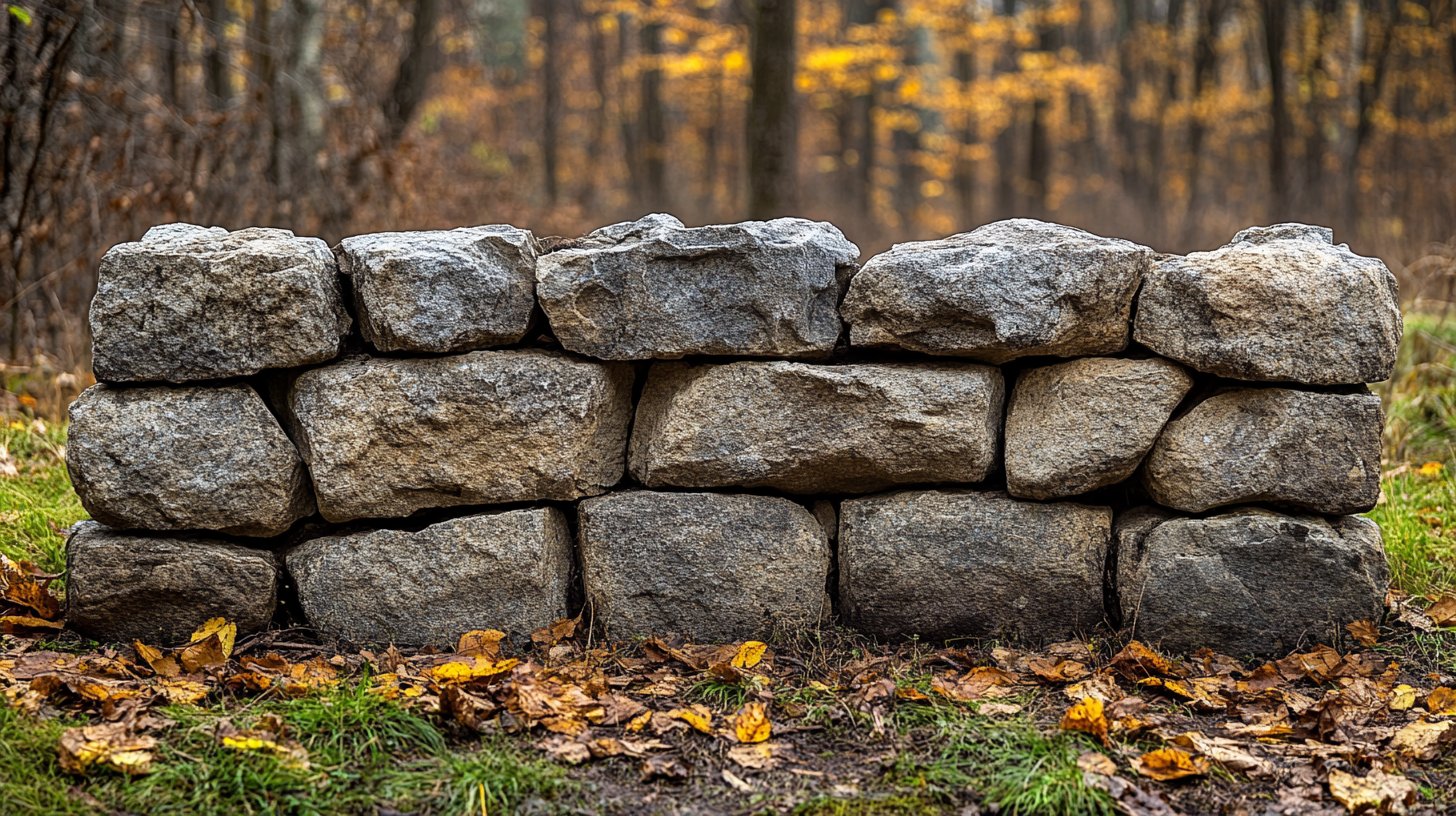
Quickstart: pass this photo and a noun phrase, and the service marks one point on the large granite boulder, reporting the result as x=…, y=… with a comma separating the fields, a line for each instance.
x=656, y=289
x=1278, y=303
x=941, y=563
x=806, y=428
x=192, y=303
x=1008, y=289
x=1085, y=424
x=185, y=458
x=1251, y=582
x=509, y=571
x=1319, y=452
x=710, y=566
x=385, y=438
x=160, y=588
x=442, y=290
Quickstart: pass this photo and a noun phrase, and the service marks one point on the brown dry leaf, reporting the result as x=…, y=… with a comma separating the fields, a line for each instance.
x=736, y=782
x=1441, y=701
x=910, y=693
x=1169, y=764
x=565, y=749
x=163, y=665
x=1424, y=739
x=1364, y=632
x=1087, y=717
x=19, y=586
x=1102, y=685
x=982, y=681
x=1097, y=762
x=20, y=624
x=112, y=745
x=665, y=766
x=1137, y=661
x=698, y=716
x=268, y=736
x=1199, y=692
x=998, y=709
x=210, y=647
x=481, y=643
x=1319, y=665
x=751, y=724
x=757, y=755
x=1443, y=611
x=181, y=691
x=1057, y=671
x=749, y=654
x=563, y=629
x=1379, y=792
x=1226, y=752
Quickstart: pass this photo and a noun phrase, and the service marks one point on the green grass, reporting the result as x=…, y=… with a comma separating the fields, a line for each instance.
x=1417, y=517
x=37, y=505
x=1420, y=398
x=365, y=753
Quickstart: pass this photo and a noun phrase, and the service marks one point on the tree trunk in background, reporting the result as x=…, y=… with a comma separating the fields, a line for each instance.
x=306, y=87
x=965, y=169
x=1008, y=202
x=652, y=122
x=265, y=60
x=772, y=115
x=1205, y=64
x=859, y=126
x=1379, y=20
x=550, y=97
x=596, y=145
x=217, y=62
x=631, y=142
x=414, y=71
x=1039, y=153
x=1276, y=25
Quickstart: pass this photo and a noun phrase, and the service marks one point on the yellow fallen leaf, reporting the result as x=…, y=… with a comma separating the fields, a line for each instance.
x=113, y=745
x=752, y=723
x=749, y=654
x=1402, y=698
x=16, y=623
x=1424, y=739
x=180, y=691
x=639, y=722
x=1087, y=717
x=164, y=665
x=481, y=668
x=698, y=716
x=227, y=634
x=1364, y=632
x=1168, y=764
x=481, y=643
x=1430, y=469
x=1379, y=792
x=1442, y=701
x=289, y=753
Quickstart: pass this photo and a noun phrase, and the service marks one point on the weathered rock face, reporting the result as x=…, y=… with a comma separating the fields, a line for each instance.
x=508, y=571
x=706, y=565
x=1278, y=303
x=1125, y=562
x=1319, y=452
x=185, y=458
x=1253, y=582
x=1085, y=424
x=656, y=289
x=159, y=589
x=1005, y=290
x=817, y=428
x=961, y=563
x=442, y=290
x=188, y=303
x=385, y=438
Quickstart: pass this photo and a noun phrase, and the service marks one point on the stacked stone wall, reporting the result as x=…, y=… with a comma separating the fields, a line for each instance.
x=1024, y=431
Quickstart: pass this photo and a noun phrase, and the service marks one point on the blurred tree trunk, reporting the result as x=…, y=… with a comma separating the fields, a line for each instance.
x=268, y=93
x=1274, y=14
x=596, y=146
x=217, y=61
x=550, y=96
x=306, y=88
x=918, y=57
x=413, y=75
x=1374, y=62
x=1008, y=202
x=965, y=169
x=860, y=123
x=772, y=113
x=1210, y=14
x=652, y=123
x=1039, y=158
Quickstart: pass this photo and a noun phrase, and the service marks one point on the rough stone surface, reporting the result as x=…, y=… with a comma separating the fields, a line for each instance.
x=159, y=589
x=807, y=428
x=1253, y=582
x=1005, y=290
x=385, y=438
x=442, y=290
x=508, y=571
x=192, y=303
x=185, y=458
x=1085, y=424
x=706, y=565
x=1125, y=564
x=1319, y=452
x=656, y=289
x=1278, y=303
x=944, y=563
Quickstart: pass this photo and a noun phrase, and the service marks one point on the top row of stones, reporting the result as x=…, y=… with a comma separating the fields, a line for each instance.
x=1280, y=303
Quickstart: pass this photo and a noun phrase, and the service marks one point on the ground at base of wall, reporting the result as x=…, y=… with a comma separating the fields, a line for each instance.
x=814, y=723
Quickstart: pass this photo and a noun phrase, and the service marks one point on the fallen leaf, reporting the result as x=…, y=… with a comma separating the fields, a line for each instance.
x=211, y=646
x=749, y=654
x=1097, y=762
x=665, y=766
x=1226, y=752
x=1057, y=671
x=1364, y=632
x=998, y=709
x=736, y=782
x=1424, y=739
x=164, y=665
x=1441, y=701
x=1088, y=718
x=698, y=716
x=757, y=755
x=1402, y=698
x=481, y=643
x=1137, y=661
x=751, y=723
x=639, y=722
x=1443, y=611
x=565, y=749
x=1377, y=792
x=1169, y=764
x=15, y=624
x=562, y=629
x=481, y=668
x=116, y=745
x=20, y=586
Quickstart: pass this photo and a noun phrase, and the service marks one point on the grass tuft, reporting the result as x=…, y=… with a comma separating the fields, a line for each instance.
x=37, y=505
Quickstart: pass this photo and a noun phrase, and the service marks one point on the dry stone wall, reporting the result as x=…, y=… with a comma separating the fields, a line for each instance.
x=1023, y=431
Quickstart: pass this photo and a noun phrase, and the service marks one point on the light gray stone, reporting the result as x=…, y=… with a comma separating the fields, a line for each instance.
x=187, y=303
x=653, y=288
x=1008, y=289
x=940, y=563
x=1252, y=582
x=1278, y=303
x=442, y=290
x=711, y=566
x=160, y=588
x=508, y=570
x=806, y=428
x=384, y=438
x=1085, y=424
x=185, y=458
x=1318, y=452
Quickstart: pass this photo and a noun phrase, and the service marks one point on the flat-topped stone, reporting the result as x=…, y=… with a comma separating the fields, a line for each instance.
x=159, y=588
x=385, y=438
x=654, y=288
x=1277, y=303
x=192, y=303
x=507, y=570
x=185, y=458
x=1009, y=289
x=953, y=563
x=442, y=290
x=807, y=428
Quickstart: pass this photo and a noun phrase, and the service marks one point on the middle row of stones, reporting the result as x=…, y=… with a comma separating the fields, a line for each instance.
x=386, y=438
